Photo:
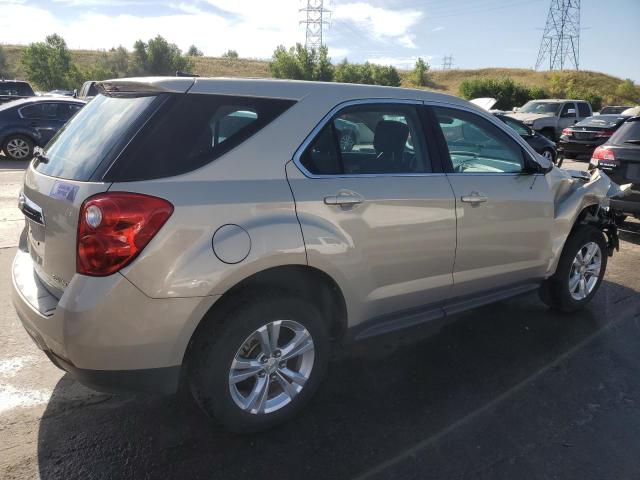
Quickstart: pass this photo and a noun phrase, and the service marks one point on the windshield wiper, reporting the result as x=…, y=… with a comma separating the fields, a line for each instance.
x=39, y=156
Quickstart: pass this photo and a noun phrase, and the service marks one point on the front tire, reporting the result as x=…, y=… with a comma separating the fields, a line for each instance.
x=580, y=271
x=18, y=147
x=261, y=366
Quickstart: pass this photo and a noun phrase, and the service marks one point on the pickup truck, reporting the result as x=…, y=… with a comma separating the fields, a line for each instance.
x=551, y=116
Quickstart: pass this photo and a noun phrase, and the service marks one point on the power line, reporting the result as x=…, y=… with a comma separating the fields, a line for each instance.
x=561, y=37
x=315, y=21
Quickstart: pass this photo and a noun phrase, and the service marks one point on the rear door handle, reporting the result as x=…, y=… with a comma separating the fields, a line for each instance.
x=474, y=198
x=344, y=199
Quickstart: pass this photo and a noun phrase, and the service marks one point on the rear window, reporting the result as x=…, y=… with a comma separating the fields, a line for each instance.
x=39, y=110
x=82, y=144
x=627, y=134
x=601, y=121
x=583, y=109
x=189, y=131
x=20, y=89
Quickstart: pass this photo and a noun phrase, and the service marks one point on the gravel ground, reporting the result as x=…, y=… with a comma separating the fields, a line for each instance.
x=510, y=390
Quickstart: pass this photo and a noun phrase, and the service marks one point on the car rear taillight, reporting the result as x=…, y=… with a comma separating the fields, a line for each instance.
x=603, y=155
x=605, y=133
x=114, y=227
x=566, y=131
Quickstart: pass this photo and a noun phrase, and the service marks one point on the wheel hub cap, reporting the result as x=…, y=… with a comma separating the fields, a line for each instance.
x=585, y=271
x=271, y=367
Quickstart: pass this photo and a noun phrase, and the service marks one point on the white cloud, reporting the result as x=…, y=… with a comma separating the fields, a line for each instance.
x=438, y=29
x=254, y=30
x=382, y=23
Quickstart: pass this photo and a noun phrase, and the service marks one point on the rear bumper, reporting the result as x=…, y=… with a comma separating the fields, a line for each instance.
x=105, y=332
x=586, y=148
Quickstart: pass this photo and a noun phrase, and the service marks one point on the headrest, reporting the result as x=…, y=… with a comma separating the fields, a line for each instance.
x=390, y=136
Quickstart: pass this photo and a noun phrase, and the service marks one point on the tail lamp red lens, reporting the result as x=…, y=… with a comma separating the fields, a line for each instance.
x=566, y=131
x=603, y=154
x=605, y=133
x=114, y=227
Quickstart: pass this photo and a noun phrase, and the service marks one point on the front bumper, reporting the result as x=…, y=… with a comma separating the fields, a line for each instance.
x=106, y=332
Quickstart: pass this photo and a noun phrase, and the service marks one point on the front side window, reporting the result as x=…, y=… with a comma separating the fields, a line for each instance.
x=566, y=108
x=369, y=139
x=476, y=145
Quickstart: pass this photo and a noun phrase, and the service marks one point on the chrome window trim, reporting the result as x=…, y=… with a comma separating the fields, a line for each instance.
x=491, y=118
x=327, y=118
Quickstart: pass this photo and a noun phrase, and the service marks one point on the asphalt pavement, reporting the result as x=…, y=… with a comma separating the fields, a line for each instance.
x=507, y=391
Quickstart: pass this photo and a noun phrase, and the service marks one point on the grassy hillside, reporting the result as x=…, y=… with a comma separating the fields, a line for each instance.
x=442, y=81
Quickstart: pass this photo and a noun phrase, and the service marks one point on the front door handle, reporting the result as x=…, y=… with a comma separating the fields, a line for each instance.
x=344, y=199
x=474, y=198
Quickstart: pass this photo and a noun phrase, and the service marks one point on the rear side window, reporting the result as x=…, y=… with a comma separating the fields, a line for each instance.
x=583, y=109
x=628, y=134
x=381, y=139
x=40, y=110
x=78, y=148
x=189, y=131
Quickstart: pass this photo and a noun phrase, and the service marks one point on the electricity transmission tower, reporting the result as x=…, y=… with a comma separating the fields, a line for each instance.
x=561, y=37
x=315, y=21
x=447, y=62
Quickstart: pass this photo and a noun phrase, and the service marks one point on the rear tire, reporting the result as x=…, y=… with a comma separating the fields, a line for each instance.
x=242, y=345
x=549, y=154
x=18, y=147
x=576, y=282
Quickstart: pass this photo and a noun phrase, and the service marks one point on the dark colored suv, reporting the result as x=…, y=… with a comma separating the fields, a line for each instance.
x=14, y=90
x=619, y=158
x=25, y=124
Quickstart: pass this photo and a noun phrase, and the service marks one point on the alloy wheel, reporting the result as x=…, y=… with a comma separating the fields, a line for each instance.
x=585, y=271
x=271, y=367
x=17, y=148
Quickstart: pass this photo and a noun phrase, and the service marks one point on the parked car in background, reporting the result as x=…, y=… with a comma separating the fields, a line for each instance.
x=14, y=90
x=613, y=109
x=550, y=117
x=233, y=264
x=632, y=112
x=538, y=142
x=31, y=122
x=619, y=158
x=583, y=137
x=88, y=90
x=60, y=93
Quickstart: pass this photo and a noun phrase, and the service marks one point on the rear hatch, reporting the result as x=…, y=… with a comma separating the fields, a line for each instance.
x=70, y=170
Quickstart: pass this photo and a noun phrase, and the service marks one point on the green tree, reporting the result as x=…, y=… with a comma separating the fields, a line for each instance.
x=347, y=72
x=159, y=57
x=386, y=75
x=626, y=90
x=230, y=54
x=324, y=69
x=420, y=72
x=4, y=70
x=48, y=64
x=194, y=51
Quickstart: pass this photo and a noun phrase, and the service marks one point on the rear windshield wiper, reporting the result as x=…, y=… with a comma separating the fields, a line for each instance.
x=39, y=156
x=633, y=142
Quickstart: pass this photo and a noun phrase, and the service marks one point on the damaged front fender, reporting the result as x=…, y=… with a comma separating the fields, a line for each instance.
x=581, y=198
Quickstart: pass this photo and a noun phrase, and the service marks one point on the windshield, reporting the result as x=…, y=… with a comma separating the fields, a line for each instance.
x=20, y=89
x=81, y=145
x=541, y=107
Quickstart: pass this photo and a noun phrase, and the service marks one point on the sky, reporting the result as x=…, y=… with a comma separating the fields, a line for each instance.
x=477, y=33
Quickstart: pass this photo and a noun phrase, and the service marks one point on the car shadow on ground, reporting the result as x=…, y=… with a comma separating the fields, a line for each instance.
x=629, y=231
x=379, y=398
